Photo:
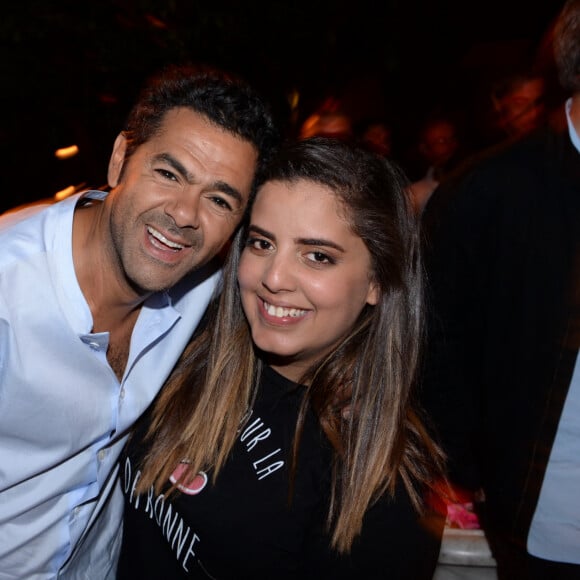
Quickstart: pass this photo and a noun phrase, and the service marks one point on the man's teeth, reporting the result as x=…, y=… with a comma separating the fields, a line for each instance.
x=280, y=312
x=158, y=236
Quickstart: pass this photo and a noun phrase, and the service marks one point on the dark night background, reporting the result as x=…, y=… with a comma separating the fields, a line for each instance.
x=70, y=70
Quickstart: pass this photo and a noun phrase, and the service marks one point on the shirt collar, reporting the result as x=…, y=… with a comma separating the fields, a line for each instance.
x=574, y=137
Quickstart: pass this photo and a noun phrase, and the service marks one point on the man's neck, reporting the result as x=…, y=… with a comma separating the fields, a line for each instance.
x=112, y=303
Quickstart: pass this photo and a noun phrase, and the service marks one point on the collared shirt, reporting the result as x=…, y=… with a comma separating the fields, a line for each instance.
x=574, y=137
x=64, y=415
x=555, y=529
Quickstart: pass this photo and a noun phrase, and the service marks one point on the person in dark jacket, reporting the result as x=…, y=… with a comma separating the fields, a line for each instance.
x=501, y=376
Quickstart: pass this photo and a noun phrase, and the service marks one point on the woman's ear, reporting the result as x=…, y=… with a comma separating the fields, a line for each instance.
x=117, y=160
x=373, y=293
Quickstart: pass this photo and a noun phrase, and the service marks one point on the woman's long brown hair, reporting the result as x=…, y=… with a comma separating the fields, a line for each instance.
x=362, y=392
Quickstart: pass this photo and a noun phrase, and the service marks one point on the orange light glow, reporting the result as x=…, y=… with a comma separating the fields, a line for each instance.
x=66, y=152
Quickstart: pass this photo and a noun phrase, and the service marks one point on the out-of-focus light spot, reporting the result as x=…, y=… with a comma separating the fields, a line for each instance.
x=64, y=192
x=294, y=99
x=155, y=22
x=66, y=152
x=310, y=123
x=108, y=98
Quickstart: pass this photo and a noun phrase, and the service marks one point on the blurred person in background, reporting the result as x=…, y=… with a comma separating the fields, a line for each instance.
x=437, y=150
x=376, y=135
x=99, y=294
x=328, y=120
x=502, y=371
x=519, y=104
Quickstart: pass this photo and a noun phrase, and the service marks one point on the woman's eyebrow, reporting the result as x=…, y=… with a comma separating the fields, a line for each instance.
x=319, y=242
x=261, y=231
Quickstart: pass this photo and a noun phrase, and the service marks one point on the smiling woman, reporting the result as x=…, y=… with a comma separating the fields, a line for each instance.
x=304, y=276
x=289, y=419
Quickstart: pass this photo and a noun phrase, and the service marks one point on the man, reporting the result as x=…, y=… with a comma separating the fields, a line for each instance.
x=98, y=296
x=438, y=147
x=519, y=106
x=502, y=376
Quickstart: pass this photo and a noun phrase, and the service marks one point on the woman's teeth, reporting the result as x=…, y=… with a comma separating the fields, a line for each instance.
x=280, y=312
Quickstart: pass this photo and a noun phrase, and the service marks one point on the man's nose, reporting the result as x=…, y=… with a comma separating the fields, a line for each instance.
x=184, y=209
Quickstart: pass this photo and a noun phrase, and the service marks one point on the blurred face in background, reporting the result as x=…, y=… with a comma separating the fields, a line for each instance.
x=439, y=142
x=377, y=137
x=522, y=109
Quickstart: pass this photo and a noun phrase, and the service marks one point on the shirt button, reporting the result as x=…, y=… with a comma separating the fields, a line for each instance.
x=122, y=393
x=94, y=345
x=101, y=455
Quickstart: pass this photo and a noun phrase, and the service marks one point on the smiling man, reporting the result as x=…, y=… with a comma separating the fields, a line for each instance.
x=98, y=296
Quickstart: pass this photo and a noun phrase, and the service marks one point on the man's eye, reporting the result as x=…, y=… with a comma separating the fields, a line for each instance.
x=221, y=202
x=166, y=174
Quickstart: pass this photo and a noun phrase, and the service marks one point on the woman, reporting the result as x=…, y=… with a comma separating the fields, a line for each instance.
x=285, y=444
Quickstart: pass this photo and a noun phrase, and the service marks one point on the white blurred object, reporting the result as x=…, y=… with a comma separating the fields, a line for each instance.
x=465, y=555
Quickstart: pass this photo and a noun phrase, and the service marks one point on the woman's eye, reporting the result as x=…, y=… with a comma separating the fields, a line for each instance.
x=320, y=258
x=258, y=244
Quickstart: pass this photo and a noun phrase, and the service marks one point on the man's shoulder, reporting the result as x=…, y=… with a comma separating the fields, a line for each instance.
x=503, y=166
x=22, y=233
x=34, y=230
x=20, y=213
x=513, y=176
x=529, y=154
x=39, y=207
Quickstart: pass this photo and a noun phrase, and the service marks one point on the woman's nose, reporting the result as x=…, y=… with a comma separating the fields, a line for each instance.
x=279, y=274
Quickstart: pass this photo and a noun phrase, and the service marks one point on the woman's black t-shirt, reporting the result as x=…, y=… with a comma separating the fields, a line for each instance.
x=246, y=526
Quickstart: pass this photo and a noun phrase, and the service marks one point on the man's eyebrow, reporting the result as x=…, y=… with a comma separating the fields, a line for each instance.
x=177, y=165
x=228, y=190
x=219, y=185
